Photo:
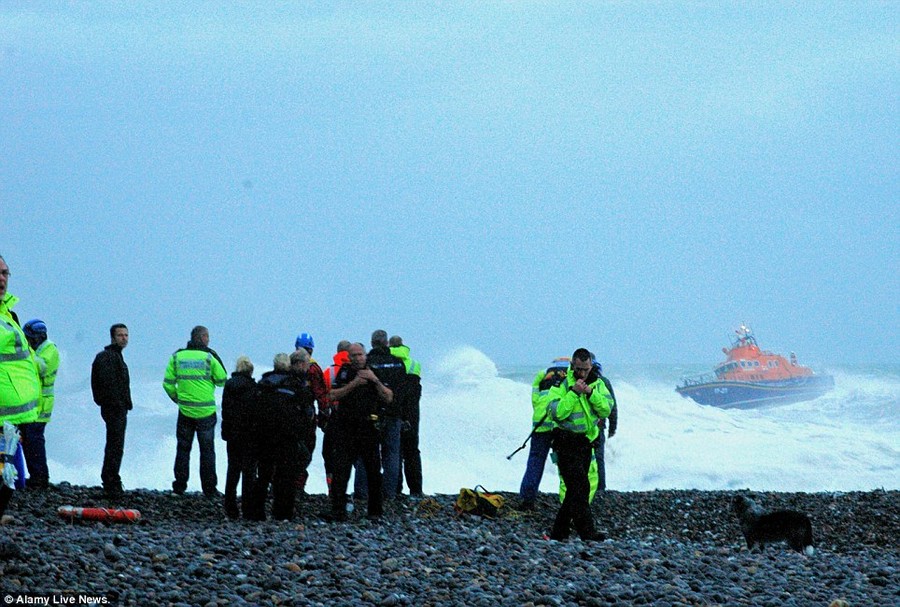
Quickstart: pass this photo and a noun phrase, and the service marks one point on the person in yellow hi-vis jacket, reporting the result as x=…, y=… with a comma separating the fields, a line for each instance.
x=597, y=471
x=191, y=379
x=20, y=383
x=46, y=355
x=575, y=406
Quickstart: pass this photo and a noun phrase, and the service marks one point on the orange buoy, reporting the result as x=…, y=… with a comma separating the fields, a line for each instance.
x=106, y=515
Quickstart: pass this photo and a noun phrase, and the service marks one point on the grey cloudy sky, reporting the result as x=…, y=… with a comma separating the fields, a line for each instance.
x=523, y=177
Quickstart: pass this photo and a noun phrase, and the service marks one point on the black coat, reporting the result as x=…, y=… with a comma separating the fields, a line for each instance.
x=392, y=373
x=110, y=382
x=240, y=403
x=286, y=409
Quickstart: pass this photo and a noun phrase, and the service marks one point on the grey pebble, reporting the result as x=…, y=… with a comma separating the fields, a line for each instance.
x=664, y=548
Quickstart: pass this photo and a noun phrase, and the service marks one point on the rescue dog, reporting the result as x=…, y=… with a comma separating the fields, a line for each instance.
x=761, y=527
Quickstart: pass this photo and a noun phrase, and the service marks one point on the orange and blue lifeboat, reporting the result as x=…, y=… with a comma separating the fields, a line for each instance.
x=751, y=377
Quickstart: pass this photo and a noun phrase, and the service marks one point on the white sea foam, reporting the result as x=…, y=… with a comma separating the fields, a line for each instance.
x=473, y=417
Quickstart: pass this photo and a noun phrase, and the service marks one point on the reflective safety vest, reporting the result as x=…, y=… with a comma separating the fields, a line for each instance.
x=20, y=384
x=579, y=413
x=412, y=366
x=554, y=375
x=191, y=380
x=47, y=358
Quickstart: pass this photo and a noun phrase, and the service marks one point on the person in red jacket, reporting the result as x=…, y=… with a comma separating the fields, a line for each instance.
x=341, y=358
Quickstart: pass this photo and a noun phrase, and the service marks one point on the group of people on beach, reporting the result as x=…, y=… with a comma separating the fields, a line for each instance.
x=365, y=404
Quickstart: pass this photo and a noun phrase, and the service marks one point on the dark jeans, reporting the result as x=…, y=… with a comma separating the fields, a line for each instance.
x=241, y=467
x=310, y=443
x=534, y=469
x=116, y=418
x=389, y=447
x=410, y=460
x=205, y=429
x=5, y=495
x=33, y=447
x=328, y=454
x=573, y=453
x=279, y=466
x=354, y=439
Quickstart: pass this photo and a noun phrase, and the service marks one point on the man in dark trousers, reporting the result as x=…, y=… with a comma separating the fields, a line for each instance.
x=391, y=371
x=111, y=387
x=600, y=443
x=575, y=406
x=356, y=428
x=410, y=456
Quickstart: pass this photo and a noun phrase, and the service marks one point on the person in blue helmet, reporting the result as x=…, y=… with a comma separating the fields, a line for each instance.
x=46, y=355
x=316, y=379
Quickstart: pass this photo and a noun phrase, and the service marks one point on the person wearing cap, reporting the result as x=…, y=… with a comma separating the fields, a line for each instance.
x=410, y=456
x=191, y=378
x=542, y=425
x=316, y=379
x=46, y=355
x=20, y=382
x=111, y=389
x=391, y=371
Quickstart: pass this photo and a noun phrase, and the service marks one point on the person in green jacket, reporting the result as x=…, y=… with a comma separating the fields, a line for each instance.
x=597, y=471
x=46, y=355
x=410, y=456
x=191, y=379
x=542, y=429
x=575, y=406
x=20, y=383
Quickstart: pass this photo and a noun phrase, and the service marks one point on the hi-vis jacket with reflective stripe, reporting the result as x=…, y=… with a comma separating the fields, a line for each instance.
x=191, y=380
x=47, y=358
x=576, y=412
x=412, y=366
x=20, y=385
x=540, y=390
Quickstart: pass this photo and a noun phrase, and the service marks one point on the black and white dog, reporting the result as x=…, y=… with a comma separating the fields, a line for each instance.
x=760, y=527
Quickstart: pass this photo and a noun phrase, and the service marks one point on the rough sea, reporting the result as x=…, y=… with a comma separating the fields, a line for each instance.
x=476, y=412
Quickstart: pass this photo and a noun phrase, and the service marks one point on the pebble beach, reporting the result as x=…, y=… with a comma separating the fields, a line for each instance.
x=663, y=548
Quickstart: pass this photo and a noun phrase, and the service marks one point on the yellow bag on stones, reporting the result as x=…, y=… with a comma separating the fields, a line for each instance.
x=480, y=502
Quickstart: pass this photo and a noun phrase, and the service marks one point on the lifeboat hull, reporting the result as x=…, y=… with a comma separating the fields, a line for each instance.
x=747, y=395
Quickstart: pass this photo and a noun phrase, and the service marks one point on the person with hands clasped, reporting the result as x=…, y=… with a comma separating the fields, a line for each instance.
x=575, y=406
x=356, y=428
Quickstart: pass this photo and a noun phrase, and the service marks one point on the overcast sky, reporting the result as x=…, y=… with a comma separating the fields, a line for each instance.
x=521, y=177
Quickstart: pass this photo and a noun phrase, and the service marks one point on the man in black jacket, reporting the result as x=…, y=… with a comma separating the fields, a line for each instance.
x=391, y=371
x=355, y=427
x=111, y=387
